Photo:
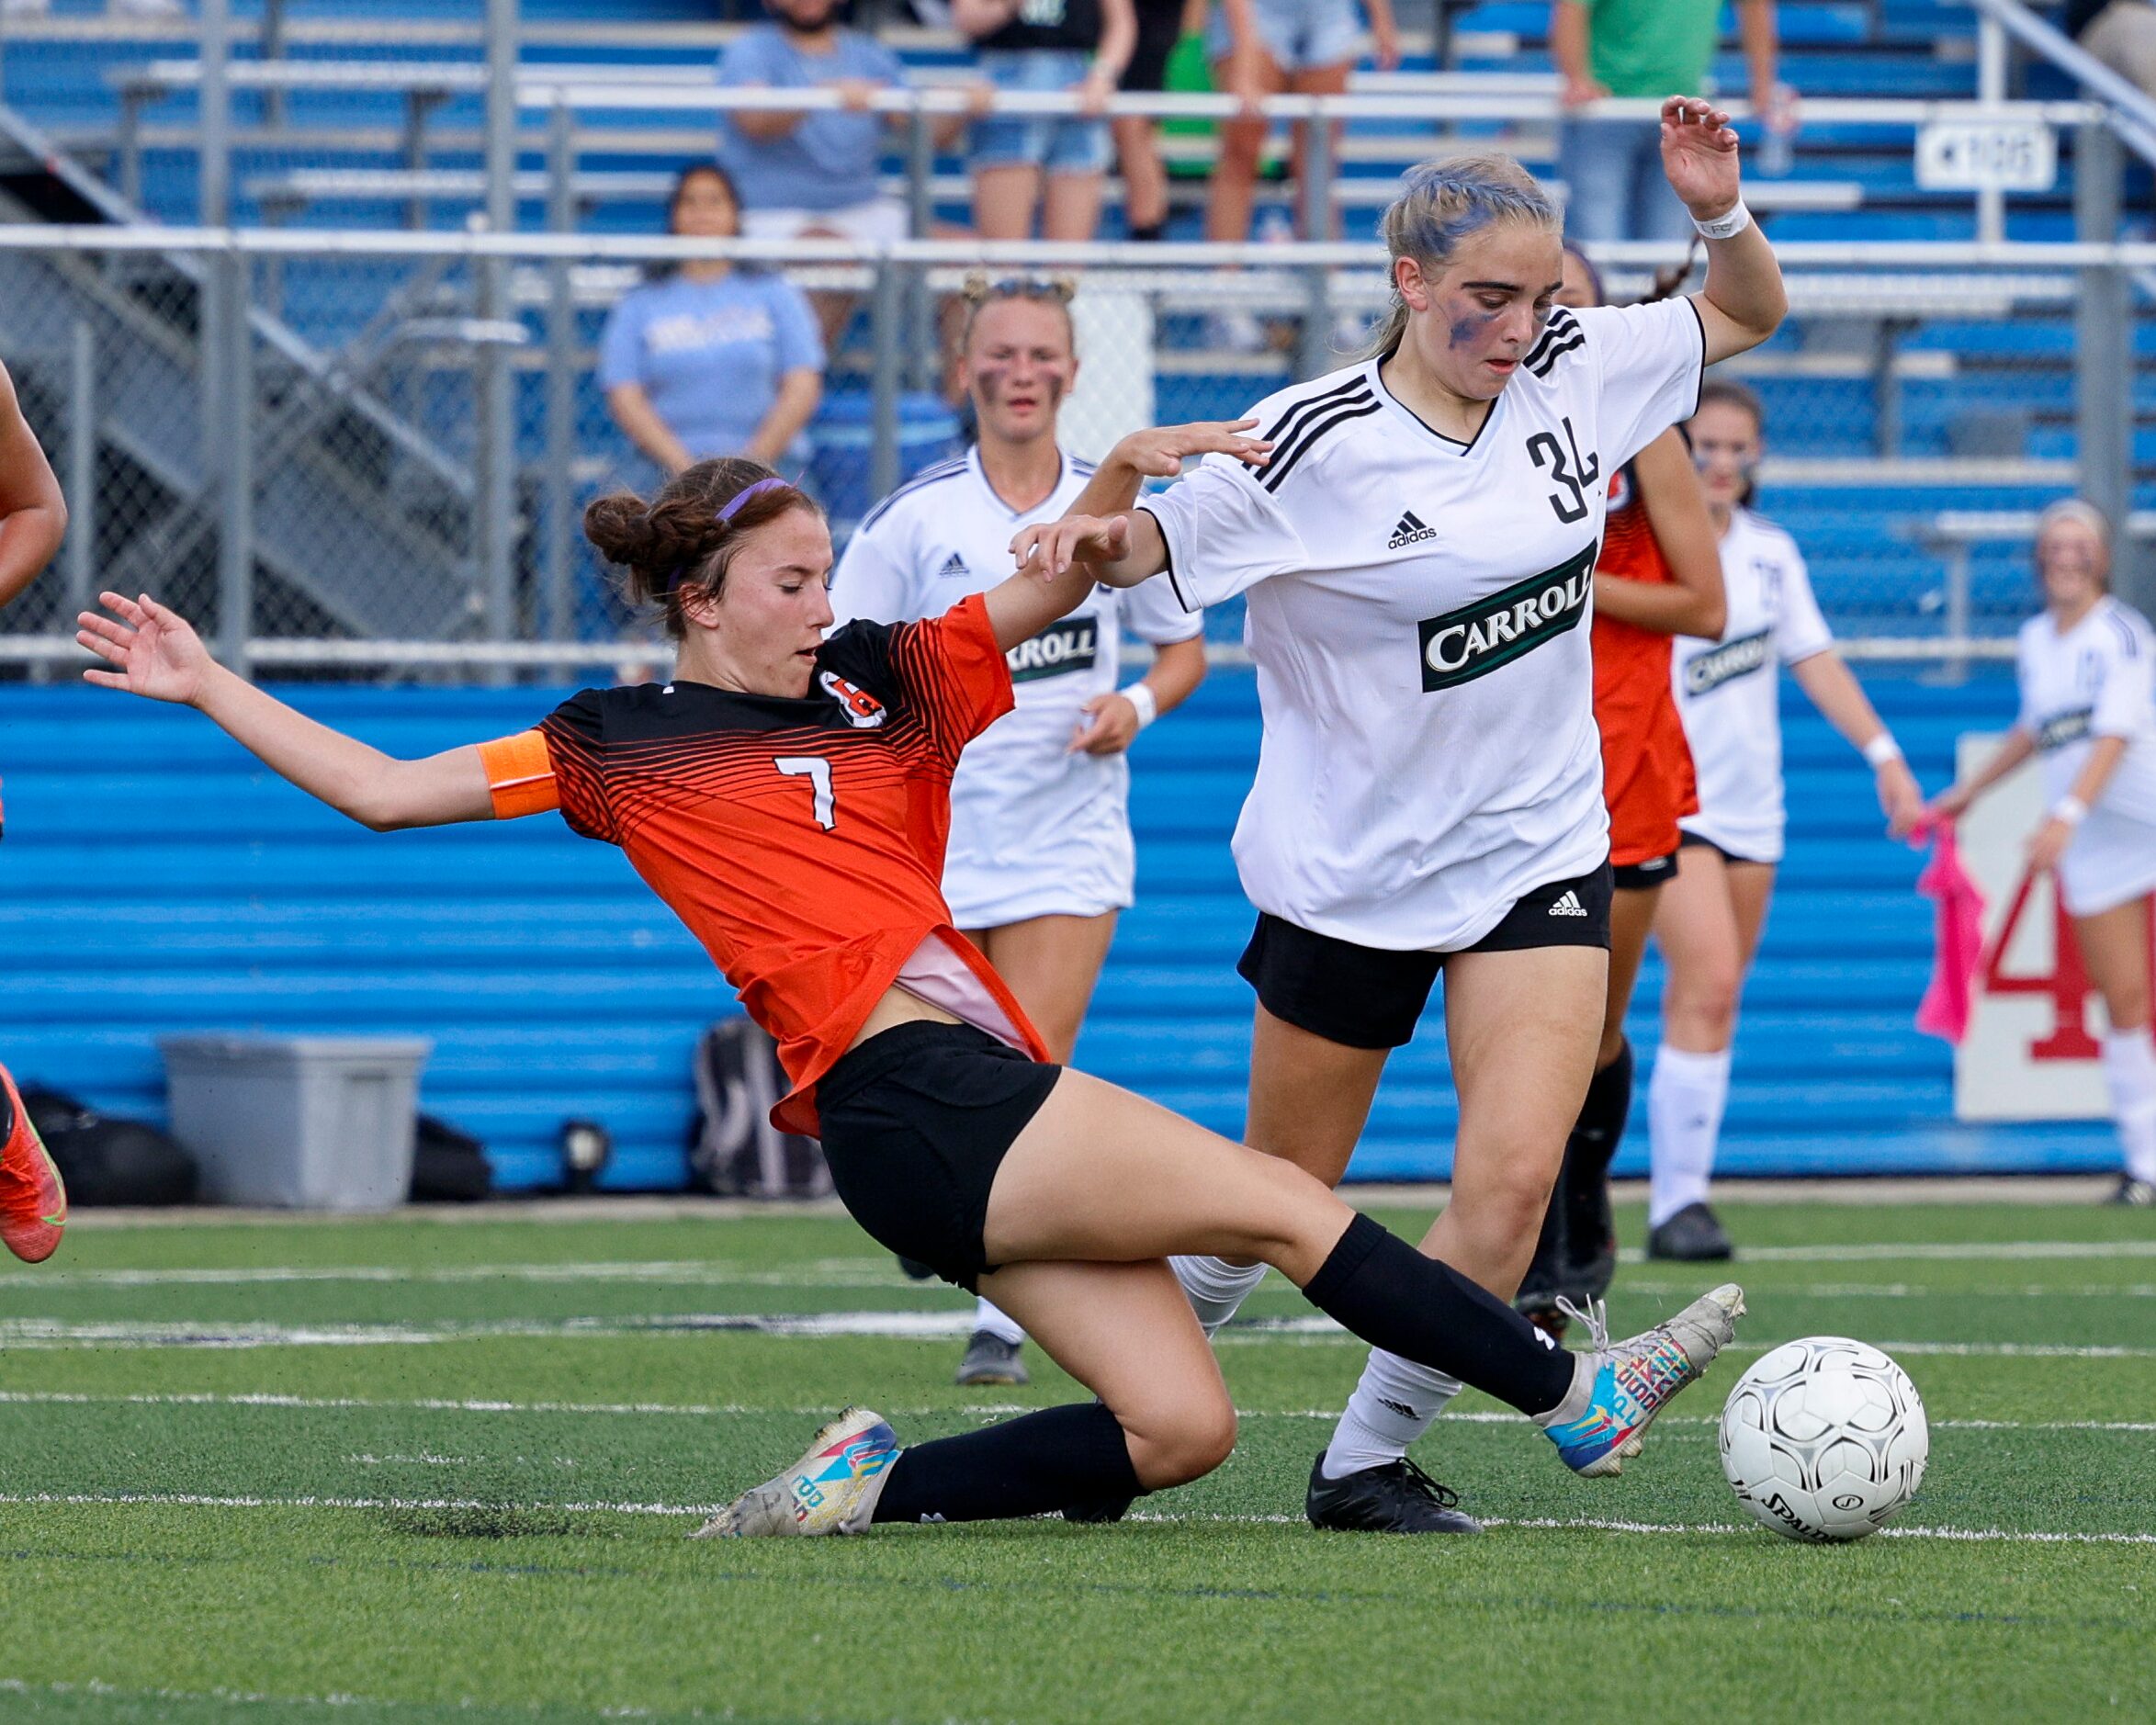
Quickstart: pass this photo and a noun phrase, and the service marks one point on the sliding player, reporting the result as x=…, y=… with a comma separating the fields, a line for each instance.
x=1041, y=858
x=33, y=519
x=1659, y=575
x=1418, y=554
x=1711, y=915
x=787, y=795
x=2088, y=706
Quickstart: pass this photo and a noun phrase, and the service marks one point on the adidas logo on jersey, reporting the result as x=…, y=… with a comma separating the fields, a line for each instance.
x=1409, y=532
x=953, y=568
x=1568, y=905
x=1476, y=639
x=1708, y=671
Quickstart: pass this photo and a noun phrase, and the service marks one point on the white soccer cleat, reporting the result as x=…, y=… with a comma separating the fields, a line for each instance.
x=833, y=1489
x=1619, y=1387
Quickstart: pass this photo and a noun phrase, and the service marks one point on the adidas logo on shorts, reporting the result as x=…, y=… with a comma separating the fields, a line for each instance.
x=1409, y=532
x=1568, y=905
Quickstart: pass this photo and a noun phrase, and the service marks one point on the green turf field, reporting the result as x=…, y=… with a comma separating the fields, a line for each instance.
x=434, y=1469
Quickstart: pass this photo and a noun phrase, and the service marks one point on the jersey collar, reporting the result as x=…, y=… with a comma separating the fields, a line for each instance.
x=980, y=475
x=1405, y=415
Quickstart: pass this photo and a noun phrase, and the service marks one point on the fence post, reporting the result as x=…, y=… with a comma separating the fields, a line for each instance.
x=494, y=480
x=561, y=379
x=234, y=396
x=82, y=463
x=924, y=348
x=273, y=51
x=2103, y=351
x=887, y=314
x=213, y=151
x=1991, y=87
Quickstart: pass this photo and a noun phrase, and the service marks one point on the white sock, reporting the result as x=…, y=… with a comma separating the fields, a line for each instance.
x=998, y=1323
x=1396, y=1402
x=1215, y=1288
x=2129, y=1070
x=1685, y=1100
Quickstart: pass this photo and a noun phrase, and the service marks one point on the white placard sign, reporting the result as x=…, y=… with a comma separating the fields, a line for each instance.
x=2032, y=1050
x=1979, y=155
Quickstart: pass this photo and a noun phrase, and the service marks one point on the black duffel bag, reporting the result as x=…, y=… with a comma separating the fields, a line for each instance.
x=106, y=1161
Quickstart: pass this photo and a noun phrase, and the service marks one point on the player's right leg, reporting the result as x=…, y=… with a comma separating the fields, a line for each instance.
x=33, y=1201
x=2115, y=952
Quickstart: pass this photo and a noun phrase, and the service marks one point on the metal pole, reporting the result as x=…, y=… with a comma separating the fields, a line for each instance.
x=82, y=463
x=2102, y=380
x=494, y=482
x=1991, y=87
x=561, y=379
x=273, y=51
x=1958, y=558
x=923, y=349
x=214, y=134
x=235, y=537
x=1317, y=176
x=886, y=311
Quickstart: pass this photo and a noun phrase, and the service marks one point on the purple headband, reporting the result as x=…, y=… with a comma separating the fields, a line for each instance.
x=733, y=507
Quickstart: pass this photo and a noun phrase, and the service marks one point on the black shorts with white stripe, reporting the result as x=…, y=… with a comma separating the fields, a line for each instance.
x=1365, y=997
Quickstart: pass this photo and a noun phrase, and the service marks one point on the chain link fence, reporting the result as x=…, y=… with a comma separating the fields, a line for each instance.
x=311, y=491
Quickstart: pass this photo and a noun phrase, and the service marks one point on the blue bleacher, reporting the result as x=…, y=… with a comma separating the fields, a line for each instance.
x=160, y=882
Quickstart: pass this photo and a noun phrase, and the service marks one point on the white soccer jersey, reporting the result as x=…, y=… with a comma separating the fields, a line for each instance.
x=1035, y=830
x=2098, y=679
x=1417, y=612
x=1728, y=691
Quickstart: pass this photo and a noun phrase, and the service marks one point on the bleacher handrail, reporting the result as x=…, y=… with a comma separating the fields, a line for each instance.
x=2130, y=109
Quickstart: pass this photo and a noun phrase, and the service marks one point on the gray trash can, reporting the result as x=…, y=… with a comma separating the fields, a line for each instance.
x=301, y=1122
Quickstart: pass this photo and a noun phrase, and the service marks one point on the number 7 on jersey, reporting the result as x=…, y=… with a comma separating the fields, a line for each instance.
x=817, y=772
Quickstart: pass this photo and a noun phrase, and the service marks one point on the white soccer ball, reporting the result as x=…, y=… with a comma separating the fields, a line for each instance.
x=1824, y=1440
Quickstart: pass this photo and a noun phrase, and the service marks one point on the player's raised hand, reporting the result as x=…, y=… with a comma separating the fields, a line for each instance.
x=1047, y=549
x=1159, y=452
x=156, y=650
x=1699, y=155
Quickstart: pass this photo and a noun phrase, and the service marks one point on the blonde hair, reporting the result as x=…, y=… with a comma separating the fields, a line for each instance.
x=1442, y=204
x=981, y=290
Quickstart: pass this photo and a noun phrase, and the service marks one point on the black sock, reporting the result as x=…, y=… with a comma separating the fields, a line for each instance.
x=1028, y=1466
x=1584, y=1187
x=1151, y=232
x=1387, y=1292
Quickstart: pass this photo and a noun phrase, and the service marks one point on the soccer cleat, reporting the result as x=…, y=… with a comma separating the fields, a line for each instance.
x=1100, y=1510
x=833, y=1489
x=33, y=1201
x=2133, y=1194
x=1619, y=1387
x=1694, y=1236
x=991, y=1360
x=1399, y=1497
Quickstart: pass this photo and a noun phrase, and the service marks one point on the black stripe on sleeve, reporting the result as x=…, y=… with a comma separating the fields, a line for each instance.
x=1277, y=470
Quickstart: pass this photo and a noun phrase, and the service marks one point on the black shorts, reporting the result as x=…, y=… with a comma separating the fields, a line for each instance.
x=1159, y=29
x=1687, y=841
x=1639, y=877
x=1364, y=997
x=916, y=1121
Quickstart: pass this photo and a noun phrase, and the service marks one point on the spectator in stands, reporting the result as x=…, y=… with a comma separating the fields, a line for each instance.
x=712, y=358
x=1612, y=168
x=1161, y=24
x=2119, y=33
x=1047, y=163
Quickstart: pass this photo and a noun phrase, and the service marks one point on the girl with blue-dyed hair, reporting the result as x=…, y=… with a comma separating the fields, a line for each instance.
x=1418, y=550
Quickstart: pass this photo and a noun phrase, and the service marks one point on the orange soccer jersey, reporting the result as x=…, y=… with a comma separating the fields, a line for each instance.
x=800, y=841
x=1646, y=764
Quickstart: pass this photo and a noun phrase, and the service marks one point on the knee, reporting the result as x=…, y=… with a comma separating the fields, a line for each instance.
x=1185, y=1444
x=1706, y=999
x=1509, y=1201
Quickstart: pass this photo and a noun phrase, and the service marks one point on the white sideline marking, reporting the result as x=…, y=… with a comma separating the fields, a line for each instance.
x=1937, y=1249
x=201, y=1500
x=1477, y=1416
x=837, y=1272
x=48, y=1333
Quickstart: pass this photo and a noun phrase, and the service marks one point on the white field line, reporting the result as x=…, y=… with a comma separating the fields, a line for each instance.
x=51, y=1334
x=201, y=1500
x=708, y=1410
x=1976, y=1249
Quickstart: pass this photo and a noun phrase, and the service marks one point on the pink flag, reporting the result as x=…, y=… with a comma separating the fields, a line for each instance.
x=1959, y=934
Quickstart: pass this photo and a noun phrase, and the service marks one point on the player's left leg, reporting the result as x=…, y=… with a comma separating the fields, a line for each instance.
x=2115, y=952
x=1522, y=1027
x=1051, y=964
x=33, y=1201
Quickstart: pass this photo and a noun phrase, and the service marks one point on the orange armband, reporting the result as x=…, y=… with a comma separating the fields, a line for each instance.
x=520, y=775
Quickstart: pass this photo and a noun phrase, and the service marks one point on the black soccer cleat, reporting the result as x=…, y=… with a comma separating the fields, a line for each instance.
x=1100, y=1509
x=1397, y=1498
x=1693, y=1236
x=989, y=1359
x=915, y=1269
x=2132, y=1194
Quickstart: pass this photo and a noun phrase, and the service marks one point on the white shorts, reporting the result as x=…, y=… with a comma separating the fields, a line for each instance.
x=2111, y=862
x=880, y=221
x=1070, y=863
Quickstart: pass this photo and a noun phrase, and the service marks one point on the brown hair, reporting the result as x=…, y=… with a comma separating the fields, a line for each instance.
x=1729, y=392
x=980, y=292
x=676, y=543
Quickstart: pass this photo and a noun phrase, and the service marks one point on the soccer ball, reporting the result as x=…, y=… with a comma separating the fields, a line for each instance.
x=1824, y=1440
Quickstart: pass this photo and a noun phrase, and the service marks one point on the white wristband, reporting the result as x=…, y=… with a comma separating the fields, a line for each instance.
x=1140, y=695
x=2070, y=809
x=1881, y=749
x=1726, y=227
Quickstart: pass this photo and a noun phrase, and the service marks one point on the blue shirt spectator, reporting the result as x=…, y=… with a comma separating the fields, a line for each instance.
x=713, y=359
x=816, y=161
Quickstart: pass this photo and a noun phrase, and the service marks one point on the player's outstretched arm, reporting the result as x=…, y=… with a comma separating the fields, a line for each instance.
x=1951, y=804
x=155, y=653
x=1832, y=688
x=33, y=515
x=1676, y=513
x=1743, y=302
